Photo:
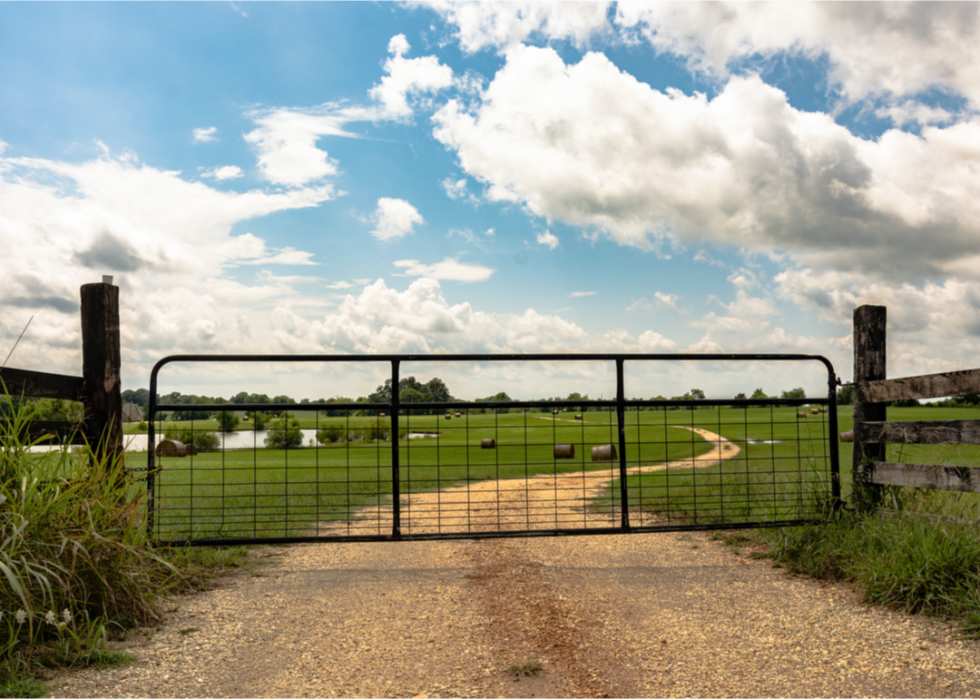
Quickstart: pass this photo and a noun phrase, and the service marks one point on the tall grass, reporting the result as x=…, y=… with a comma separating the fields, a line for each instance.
x=75, y=564
x=919, y=552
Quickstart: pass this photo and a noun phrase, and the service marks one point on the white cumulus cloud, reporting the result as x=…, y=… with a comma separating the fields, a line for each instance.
x=226, y=172
x=408, y=77
x=204, y=135
x=450, y=269
x=547, y=238
x=394, y=218
x=591, y=146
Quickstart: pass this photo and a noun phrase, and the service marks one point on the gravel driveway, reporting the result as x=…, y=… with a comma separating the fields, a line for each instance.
x=605, y=615
x=623, y=615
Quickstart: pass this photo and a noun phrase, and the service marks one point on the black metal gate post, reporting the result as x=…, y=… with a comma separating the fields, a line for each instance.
x=621, y=424
x=396, y=497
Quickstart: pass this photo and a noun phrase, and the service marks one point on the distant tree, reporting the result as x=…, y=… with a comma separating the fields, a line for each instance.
x=259, y=419
x=284, y=433
x=759, y=394
x=794, y=393
x=696, y=394
x=412, y=395
x=438, y=391
x=910, y=403
x=845, y=395
x=227, y=420
x=333, y=412
x=739, y=396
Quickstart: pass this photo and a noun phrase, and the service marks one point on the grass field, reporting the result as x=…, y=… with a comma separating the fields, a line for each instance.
x=782, y=470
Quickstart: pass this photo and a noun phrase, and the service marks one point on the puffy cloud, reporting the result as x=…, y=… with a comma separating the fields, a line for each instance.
x=920, y=317
x=166, y=239
x=449, y=269
x=226, y=172
x=454, y=189
x=549, y=239
x=394, y=218
x=502, y=24
x=666, y=300
x=205, y=135
x=590, y=145
x=285, y=140
x=408, y=76
x=874, y=49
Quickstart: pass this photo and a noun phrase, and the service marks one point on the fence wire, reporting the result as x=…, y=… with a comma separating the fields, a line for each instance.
x=520, y=469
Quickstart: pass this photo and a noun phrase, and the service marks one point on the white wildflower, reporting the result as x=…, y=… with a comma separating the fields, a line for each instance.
x=21, y=616
x=66, y=615
x=51, y=618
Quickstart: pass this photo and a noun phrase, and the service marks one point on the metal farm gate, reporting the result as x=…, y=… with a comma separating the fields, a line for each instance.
x=399, y=470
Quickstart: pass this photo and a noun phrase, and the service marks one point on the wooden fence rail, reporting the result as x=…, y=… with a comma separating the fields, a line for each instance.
x=872, y=432
x=98, y=388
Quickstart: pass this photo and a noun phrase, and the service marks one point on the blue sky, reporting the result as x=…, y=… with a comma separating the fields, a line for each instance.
x=492, y=177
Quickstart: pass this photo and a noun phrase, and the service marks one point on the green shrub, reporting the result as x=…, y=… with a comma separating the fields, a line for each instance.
x=284, y=433
x=204, y=441
x=331, y=433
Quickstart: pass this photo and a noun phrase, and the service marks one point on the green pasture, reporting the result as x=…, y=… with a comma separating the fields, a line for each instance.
x=788, y=480
x=272, y=492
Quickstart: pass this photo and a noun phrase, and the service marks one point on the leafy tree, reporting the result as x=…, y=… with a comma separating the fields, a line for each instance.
x=696, y=394
x=331, y=433
x=739, y=396
x=331, y=412
x=794, y=393
x=438, y=391
x=204, y=441
x=759, y=394
x=259, y=419
x=284, y=433
x=845, y=395
x=227, y=420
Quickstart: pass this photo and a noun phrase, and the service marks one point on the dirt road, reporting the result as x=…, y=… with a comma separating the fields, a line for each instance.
x=613, y=615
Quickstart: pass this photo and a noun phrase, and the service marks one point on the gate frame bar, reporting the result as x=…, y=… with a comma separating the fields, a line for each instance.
x=619, y=404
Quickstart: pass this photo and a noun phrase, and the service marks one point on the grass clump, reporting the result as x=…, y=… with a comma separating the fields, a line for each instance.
x=520, y=670
x=75, y=562
x=909, y=562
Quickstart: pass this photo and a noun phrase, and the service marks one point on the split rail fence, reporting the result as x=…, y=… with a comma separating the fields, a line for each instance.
x=872, y=431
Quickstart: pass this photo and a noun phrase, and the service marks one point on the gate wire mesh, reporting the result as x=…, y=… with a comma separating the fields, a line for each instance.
x=472, y=470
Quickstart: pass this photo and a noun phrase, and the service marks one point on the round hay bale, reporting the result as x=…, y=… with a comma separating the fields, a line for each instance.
x=448, y=416
x=564, y=451
x=190, y=449
x=171, y=447
x=488, y=443
x=459, y=414
x=814, y=411
x=606, y=452
x=554, y=412
x=799, y=415
x=381, y=414
x=578, y=417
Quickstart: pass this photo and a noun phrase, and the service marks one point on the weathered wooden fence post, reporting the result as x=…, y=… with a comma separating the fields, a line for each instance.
x=869, y=365
x=101, y=361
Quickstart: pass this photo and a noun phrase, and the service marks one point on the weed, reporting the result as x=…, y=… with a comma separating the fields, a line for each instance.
x=23, y=687
x=184, y=632
x=528, y=669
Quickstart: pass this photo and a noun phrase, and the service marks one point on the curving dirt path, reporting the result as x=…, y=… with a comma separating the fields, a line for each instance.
x=615, y=615
x=545, y=501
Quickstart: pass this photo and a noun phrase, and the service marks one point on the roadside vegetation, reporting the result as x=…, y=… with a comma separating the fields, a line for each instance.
x=76, y=568
x=917, y=551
